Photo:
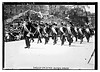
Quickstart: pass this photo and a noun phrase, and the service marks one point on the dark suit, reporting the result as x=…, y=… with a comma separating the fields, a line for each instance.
x=25, y=35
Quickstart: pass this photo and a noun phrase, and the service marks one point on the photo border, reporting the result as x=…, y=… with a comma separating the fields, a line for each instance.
x=54, y=3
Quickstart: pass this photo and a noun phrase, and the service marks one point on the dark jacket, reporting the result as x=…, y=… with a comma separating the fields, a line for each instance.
x=28, y=27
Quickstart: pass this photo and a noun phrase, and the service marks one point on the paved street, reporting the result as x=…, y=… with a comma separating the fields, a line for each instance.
x=39, y=55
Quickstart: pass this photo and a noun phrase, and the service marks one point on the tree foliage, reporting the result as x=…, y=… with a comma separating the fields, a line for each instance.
x=77, y=13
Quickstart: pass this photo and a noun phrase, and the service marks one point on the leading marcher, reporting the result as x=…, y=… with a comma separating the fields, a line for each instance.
x=27, y=28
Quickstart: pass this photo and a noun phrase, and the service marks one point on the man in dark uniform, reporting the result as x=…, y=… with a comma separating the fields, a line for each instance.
x=46, y=31
x=80, y=33
x=39, y=29
x=54, y=33
x=27, y=27
x=61, y=30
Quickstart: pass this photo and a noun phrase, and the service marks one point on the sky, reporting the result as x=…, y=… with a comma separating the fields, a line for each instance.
x=91, y=9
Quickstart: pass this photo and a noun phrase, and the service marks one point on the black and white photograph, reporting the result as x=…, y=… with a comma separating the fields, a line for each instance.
x=49, y=35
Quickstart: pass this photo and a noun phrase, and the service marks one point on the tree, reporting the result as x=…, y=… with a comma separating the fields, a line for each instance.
x=78, y=15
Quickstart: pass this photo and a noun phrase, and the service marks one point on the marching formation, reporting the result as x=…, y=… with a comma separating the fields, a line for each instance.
x=66, y=32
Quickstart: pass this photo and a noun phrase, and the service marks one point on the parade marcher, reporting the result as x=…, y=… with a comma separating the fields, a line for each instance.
x=61, y=30
x=54, y=28
x=74, y=31
x=69, y=33
x=39, y=29
x=87, y=32
x=32, y=30
x=92, y=32
x=80, y=33
x=46, y=32
x=54, y=33
x=62, y=33
x=27, y=27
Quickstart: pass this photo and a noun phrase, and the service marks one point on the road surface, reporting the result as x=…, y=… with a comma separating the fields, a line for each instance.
x=56, y=56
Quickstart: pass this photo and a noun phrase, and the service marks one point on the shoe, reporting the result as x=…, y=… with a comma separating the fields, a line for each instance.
x=27, y=47
x=33, y=41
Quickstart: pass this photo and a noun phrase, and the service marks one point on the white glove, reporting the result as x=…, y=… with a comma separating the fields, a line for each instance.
x=28, y=34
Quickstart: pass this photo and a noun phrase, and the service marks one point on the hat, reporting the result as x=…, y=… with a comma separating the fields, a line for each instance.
x=46, y=23
x=54, y=24
x=61, y=23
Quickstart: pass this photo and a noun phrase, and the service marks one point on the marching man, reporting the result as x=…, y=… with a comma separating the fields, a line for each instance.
x=27, y=27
